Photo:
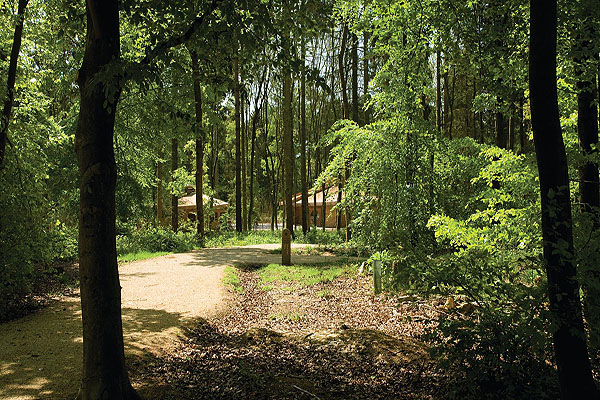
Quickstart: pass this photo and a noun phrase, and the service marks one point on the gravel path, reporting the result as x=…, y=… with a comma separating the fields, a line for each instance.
x=41, y=354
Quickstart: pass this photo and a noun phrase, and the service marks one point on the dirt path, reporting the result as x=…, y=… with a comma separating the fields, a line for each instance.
x=40, y=355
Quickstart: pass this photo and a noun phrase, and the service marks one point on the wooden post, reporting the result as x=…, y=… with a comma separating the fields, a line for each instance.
x=377, y=276
x=286, y=247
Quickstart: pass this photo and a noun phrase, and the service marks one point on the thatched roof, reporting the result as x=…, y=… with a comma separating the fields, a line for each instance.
x=330, y=197
x=190, y=201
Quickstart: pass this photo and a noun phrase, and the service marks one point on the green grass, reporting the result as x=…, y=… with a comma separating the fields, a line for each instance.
x=230, y=239
x=302, y=275
x=141, y=255
x=232, y=279
x=291, y=316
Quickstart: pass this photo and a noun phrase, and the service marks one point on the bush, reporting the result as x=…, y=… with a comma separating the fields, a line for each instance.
x=156, y=240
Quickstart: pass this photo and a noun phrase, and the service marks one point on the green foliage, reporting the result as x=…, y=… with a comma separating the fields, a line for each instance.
x=303, y=275
x=140, y=255
x=232, y=280
x=155, y=240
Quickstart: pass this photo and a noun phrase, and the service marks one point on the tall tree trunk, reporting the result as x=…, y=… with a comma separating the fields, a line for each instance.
x=174, y=210
x=255, y=118
x=238, y=149
x=159, y=189
x=12, y=76
x=500, y=128
x=438, y=91
x=104, y=373
x=446, y=115
x=574, y=370
x=345, y=114
x=589, y=185
x=366, y=39
x=521, y=124
x=199, y=146
x=288, y=146
x=342, y=71
x=244, y=161
x=355, y=118
x=303, y=183
x=511, y=129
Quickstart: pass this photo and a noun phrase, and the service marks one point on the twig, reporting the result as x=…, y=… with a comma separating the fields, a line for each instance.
x=307, y=392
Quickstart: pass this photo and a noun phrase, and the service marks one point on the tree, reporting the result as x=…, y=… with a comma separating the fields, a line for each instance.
x=12, y=75
x=576, y=381
x=238, y=144
x=104, y=373
x=199, y=145
x=303, y=183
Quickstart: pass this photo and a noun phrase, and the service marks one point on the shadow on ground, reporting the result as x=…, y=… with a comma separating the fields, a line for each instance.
x=263, y=364
x=41, y=354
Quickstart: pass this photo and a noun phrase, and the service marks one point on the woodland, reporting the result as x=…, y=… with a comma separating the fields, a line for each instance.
x=457, y=139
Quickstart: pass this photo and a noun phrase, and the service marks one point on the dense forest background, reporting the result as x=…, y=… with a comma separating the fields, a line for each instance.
x=415, y=114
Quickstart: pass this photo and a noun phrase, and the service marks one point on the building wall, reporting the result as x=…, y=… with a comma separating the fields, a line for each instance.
x=330, y=221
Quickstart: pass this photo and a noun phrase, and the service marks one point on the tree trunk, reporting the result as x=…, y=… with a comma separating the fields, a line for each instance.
x=438, y=91
x=589, y=186
x=521, y=124
x=255, y=118
x=12, y=76
x=366, y=39
x=104, y=373
x=576, y=381
x=238, y=156
x=199, y=147
x=159, y=189
x=500, y=136
x=304, y=186
x=288, y=146
x=244, y=161
x=342, y=72
x=174, y=210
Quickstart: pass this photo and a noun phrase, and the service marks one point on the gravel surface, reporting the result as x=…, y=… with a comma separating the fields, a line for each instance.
x=41, y=354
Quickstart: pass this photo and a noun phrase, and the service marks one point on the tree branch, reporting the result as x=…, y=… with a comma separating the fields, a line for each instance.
x=184, y=37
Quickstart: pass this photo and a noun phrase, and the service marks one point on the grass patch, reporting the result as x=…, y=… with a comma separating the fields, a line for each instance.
x=266, y=288
x=230, y=239
x=303, y=275
x=324, y=293
x=141, y=255
x=291, y=316
x=232, y=280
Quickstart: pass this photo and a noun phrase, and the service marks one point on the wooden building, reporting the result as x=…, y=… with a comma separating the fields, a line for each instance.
x=187, y=207
x=330, y=198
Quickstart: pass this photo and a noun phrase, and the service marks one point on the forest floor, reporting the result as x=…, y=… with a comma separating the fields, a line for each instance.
x=296, y=334
x=40, y=356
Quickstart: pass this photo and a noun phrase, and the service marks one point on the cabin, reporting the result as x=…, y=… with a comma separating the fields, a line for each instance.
x=187, y=207
x=330, y=199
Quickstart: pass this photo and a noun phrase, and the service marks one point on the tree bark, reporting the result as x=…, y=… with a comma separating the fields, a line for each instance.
x=288, y=147
x=303, y=183
x=342, y=72
x=199, y=146
x=174, y=210
x=244, y=161
x=576, y=381
x=438, y=91
x=589, y=185
x=159, y=188
x=366, y=39
x=104, y=373
x=238, y=156
x=255, y=118
x=500, y=125
x=10, y=82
